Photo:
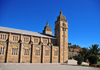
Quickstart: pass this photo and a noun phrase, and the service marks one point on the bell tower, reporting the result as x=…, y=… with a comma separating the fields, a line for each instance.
x=47, y=29
x=61, y=33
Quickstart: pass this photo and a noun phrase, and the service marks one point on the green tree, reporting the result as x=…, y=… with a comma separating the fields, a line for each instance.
x=93, y=59
x=94, y=49
x=73, y=51
x=84, y=53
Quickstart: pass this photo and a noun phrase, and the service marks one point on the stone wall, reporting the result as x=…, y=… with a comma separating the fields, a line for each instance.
x=36, y=58
x=3, y=55
x=25, y=57
x=44, y=46
x=13, y=58
x=55, y=57
x=46, y=53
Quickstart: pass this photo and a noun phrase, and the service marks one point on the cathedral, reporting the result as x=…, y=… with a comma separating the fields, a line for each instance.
x=20, y=46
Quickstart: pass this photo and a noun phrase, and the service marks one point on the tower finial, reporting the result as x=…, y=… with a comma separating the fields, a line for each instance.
x=47, y=23
x=60, y=11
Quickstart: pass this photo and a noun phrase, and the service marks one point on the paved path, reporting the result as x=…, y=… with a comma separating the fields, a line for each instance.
x=43, y=66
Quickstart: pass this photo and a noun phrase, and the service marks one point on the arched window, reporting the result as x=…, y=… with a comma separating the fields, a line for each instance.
x=14, y=50
x=1, y=49
x=47, y=52
x=37, y=51
x=26, y=51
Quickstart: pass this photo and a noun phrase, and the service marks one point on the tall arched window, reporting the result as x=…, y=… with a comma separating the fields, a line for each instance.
x=1, y=49
x=14, y=50
x=26, y=51
x=47, y=52
x=37, y=51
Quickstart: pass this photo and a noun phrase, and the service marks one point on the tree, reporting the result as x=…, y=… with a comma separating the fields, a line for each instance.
x=94, y=49
x=93, y=59
x=79, y=60
x=73, y=51
x=84, y=53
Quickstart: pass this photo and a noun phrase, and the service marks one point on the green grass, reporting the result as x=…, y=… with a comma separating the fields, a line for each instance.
x=84, y=65
x=98, y=62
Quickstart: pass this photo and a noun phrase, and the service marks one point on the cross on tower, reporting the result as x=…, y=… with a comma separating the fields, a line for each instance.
x=60, y=9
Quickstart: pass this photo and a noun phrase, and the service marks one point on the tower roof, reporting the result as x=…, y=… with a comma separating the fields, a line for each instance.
x=47, y=29
x=61, y=17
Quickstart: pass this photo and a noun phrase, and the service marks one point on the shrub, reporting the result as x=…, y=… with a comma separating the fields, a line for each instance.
x=93, y=65
x=93, y=59
x=75, y=57
x=70, y=58
x=98, y=65
x=79, y=60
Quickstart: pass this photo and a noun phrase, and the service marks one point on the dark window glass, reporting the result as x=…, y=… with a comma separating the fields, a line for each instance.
x=16, y=51
x=5, y=36
x=3, y=50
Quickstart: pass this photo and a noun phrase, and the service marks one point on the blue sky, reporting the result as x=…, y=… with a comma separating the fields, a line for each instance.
x=83, y=17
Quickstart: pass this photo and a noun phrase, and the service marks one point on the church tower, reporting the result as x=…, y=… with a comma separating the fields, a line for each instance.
x=61, y=33
x=47, y=29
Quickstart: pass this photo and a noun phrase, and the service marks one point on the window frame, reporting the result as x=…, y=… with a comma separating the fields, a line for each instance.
x=14, y=51
x=2, y=50
x=3, y=36
x=37, y=52
x=26, y=39
x=15, y=38
x=37, y=41
x=45, y=41
x=26, y=51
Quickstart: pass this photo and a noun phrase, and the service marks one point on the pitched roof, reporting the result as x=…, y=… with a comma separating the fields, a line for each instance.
x=24, y=32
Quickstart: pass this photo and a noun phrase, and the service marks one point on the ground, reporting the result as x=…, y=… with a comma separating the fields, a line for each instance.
x=72, y=65
x=43, y=66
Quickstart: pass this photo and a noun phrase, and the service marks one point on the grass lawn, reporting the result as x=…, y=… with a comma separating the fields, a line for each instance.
x=98, y=62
